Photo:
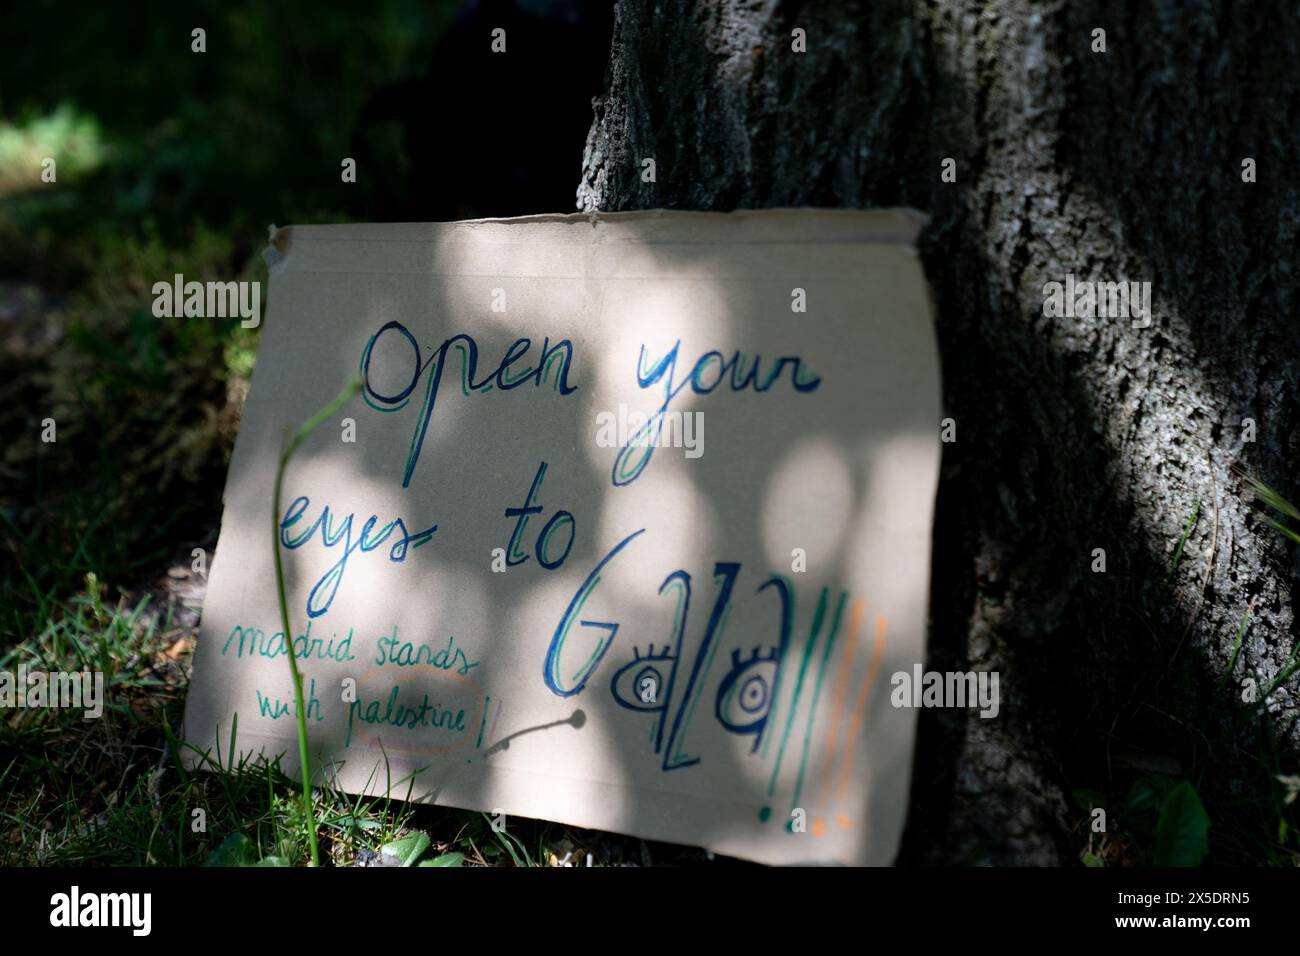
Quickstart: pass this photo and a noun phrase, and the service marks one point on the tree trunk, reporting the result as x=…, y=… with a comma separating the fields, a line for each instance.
x=1072, y=433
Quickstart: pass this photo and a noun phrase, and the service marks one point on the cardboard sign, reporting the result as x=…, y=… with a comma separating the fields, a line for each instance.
x=628, y=528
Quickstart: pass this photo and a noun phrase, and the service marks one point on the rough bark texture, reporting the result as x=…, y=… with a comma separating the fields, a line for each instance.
x=1072, y=433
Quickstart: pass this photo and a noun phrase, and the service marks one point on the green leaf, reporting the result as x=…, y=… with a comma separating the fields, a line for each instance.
x=273, y=861
x=1092, y=859
x=1283, y=528
x=1147, y=793
x=235, y=850
x=1272, y=498
x=447, y=859
x=1183, y=831
x=361, y=823
x=408, y=849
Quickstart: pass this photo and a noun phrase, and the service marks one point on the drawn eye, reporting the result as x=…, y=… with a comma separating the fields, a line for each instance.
x=753, y=695
x=641, y=684
x=745, y=694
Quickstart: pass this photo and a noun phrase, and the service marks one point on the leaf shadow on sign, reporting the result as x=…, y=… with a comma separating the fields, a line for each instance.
x=720, y=518
x=575, y=720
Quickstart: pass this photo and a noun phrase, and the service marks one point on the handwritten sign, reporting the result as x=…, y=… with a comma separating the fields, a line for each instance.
x=628, y=528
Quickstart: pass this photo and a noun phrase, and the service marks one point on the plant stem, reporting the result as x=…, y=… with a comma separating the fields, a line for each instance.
x=348, y=392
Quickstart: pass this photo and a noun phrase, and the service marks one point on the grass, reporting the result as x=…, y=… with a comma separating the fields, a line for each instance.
x=113, y=791
x=145, y=414
x=1182, y=540
x=1271, y=498
x=71, y=135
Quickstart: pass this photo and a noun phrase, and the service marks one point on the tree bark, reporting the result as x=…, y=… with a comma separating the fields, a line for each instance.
x=1072, y=433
